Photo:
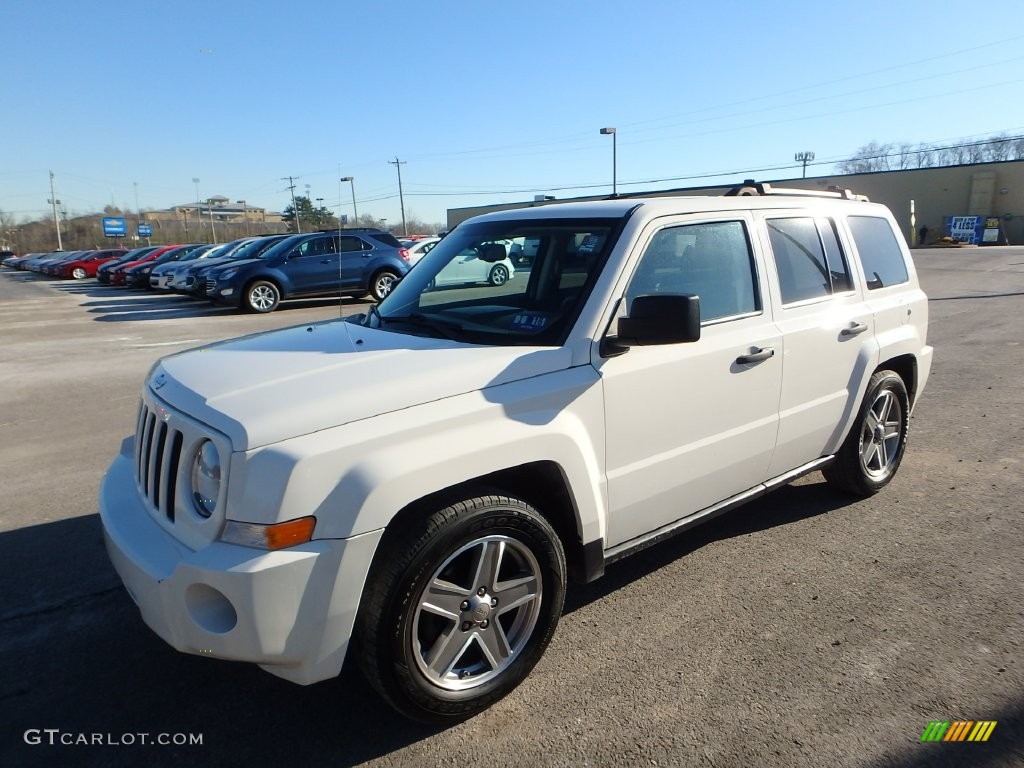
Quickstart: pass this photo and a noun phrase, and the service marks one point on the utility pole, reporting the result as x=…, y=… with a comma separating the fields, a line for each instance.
x=805, y=158
x=56, y=222
x=184, y=212
x=295, y=208
x=401, y=198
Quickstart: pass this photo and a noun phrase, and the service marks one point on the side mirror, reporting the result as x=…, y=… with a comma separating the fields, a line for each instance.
x=667, y=318
x=492, y=252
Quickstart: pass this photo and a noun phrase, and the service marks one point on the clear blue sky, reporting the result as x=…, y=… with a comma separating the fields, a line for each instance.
x=500, y=99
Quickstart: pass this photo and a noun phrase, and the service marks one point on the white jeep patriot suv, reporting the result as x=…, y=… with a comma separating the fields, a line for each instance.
x=417, y=484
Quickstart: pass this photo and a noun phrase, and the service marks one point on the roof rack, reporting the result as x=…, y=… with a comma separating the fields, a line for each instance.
x=749, y=187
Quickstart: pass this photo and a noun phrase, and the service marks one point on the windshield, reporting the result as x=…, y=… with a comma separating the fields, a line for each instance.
x=467, y=288
x=258, y=249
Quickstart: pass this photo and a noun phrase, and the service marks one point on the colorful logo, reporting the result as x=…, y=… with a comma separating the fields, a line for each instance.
x=959, y=730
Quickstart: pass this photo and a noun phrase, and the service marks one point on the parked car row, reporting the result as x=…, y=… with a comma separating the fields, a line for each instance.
x=257, y=273
x=76, y=265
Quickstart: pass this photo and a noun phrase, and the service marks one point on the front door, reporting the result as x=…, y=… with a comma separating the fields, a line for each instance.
x=692, y=424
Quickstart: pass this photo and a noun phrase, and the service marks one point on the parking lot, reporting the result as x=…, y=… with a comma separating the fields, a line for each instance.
x=804, y=629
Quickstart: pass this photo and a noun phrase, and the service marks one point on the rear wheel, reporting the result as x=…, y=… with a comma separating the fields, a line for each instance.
x=872, y=452
x=499, y=275
x=262, y=296
x=460, y=607
x=383, y=281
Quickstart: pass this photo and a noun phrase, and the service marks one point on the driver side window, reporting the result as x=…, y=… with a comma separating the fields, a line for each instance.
x=713, y=261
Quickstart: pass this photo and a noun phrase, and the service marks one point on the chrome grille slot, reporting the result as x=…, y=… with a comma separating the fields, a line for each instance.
x=147, y=451
x=158, y=464
x=172, y=474
x=211, y=286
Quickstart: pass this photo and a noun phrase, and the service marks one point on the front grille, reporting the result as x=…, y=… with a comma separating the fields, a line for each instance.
x=211, y=287
x=157, y=458
x=190, y=281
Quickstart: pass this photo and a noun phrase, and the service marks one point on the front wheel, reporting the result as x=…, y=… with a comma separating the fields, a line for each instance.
x=499, y=275
x=460, y=606
x=79, y=273
x=262, y=296
x=872, y=452
x=382, y=283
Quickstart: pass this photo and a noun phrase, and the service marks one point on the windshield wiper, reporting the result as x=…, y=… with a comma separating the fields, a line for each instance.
x=424, y=321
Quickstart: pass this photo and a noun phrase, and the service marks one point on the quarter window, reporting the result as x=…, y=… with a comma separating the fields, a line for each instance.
x=712, y=261
x=808, y=258
x=879, y=251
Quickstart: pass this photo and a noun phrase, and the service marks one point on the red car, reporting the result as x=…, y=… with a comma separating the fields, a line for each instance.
x=88, y=263
x=117, y=273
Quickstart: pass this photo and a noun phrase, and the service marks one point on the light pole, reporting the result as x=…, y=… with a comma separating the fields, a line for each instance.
x=611, y=132
x=319, y=209
x=199, y=211
x=355, y=214
x=245, y=216
x=805, y=158
x=56, y=222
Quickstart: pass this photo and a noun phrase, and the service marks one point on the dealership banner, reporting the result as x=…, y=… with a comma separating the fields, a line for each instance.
x=973, y=229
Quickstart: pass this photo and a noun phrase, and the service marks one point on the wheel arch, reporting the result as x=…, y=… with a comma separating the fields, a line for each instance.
x=543, y=485
x=264, y=278
x=906, y=367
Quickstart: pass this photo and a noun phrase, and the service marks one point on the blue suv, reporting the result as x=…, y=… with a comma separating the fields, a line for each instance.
x=349, y=262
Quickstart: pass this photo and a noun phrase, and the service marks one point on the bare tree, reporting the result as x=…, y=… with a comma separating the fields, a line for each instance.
x=875, y=156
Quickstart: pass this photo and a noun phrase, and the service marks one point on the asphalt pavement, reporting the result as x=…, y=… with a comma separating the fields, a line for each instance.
x=805, y=629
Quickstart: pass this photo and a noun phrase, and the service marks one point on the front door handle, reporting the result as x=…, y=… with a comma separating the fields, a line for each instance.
x=853, y=329
x=756, y=356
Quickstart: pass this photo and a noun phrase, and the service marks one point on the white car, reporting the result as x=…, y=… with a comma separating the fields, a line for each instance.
x=420, y=247
x=417, y=484
x=483, y=263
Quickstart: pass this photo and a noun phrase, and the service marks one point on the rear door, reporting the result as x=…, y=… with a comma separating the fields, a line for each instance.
x=829, y=349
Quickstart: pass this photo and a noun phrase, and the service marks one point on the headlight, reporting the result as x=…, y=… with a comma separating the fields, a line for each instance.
x=227, y=274
x=206, y=479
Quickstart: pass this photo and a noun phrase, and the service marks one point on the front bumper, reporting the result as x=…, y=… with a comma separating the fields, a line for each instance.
x=290, y=611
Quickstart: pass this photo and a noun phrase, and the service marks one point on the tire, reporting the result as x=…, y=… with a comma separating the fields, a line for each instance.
x=871, y=454
x=262, y=296
x=455, y=658
x=79, y=273
x=499, y=275
x=382, y=283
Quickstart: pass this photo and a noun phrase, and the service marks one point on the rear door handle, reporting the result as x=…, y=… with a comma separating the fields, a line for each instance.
x=853, y=329
x=756, y=356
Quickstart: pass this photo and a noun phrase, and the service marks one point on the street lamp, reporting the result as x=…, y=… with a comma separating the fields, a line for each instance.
x=199, y=212
x=611, y=132
x=319, y=208
x=355, y=214
x=245, y=215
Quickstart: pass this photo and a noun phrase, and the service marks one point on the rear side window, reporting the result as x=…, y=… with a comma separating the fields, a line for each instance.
x=879, y=251
x=350, y=243
x=387, y=239
x=711, y=260
x=808, y=258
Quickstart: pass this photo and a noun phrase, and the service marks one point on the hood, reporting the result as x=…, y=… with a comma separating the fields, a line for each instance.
x=269, y=387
